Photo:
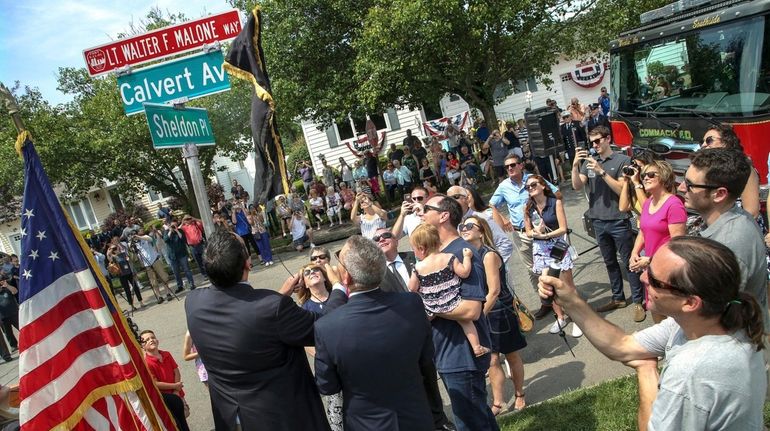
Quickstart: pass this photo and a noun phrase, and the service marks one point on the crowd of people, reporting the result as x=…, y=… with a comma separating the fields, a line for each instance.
x=446, y=306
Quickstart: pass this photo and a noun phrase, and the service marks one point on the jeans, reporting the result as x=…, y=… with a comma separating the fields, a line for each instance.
x=9, y=322
x=180, y=264
x=468, y=395
x=616, y=237
x=128, y=281
x=197, y=252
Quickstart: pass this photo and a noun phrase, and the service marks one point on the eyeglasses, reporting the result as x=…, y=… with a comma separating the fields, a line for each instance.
x=319, y=256
x=309, y=271
x=649, y=175
x=661, y=285
x=710, y=140
x=511, y=165
x=426, y=208
x=689, y=186
x=458, y=196
x=531, y=186
x=418, y=198
x=596, y=141
x=467, y=226
x=384, y=235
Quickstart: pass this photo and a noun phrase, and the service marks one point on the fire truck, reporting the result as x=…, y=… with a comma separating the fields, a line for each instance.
x=690, y=65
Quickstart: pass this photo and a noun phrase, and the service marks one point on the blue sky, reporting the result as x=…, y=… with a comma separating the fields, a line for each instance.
x=37, y=37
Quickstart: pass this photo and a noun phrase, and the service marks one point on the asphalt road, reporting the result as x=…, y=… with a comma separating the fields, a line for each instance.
x=549, y=367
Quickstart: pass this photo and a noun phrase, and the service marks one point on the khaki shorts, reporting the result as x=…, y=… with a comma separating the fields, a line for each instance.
x=157, y=269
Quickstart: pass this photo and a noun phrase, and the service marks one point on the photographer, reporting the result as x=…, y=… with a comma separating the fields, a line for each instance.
x=196, y=239
x=9, y=312
x=177, y=252
x=142, y=245
x=118, y=255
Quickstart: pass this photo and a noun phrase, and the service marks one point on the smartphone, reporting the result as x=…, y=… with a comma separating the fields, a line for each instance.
x=407, y=197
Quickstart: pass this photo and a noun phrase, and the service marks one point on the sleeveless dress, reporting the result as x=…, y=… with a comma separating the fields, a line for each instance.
x=504, y=333
x=440, y=290
x=370, y=226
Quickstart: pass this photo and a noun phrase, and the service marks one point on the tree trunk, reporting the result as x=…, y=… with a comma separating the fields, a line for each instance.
x=490, y=116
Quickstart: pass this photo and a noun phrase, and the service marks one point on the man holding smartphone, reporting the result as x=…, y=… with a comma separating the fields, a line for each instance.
x=612, y=226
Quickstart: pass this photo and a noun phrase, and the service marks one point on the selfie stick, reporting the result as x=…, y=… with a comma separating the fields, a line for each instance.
x=554, y=270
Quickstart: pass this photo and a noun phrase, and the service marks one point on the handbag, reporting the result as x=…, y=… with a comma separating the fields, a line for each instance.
x=526, y=319
x=113, y=268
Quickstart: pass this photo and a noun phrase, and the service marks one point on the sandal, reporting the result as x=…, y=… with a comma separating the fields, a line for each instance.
x=500, y=409
x=518, y=409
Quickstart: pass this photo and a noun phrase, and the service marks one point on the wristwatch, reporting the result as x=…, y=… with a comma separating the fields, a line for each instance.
x=638, y=186
x=603, y=174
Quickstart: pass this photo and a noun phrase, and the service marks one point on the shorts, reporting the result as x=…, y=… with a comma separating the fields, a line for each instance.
x=300, y=242
x=499, y=171
x=333, y=211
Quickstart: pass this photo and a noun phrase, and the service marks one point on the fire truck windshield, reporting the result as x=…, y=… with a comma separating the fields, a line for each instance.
x=715, y=70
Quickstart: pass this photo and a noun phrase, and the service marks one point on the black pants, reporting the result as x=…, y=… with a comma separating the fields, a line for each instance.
x=125, y=281
x=176, y=407
x=249, y=240
x=10, y=322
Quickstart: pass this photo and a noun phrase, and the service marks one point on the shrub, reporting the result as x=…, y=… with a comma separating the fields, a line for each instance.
x=123, y=215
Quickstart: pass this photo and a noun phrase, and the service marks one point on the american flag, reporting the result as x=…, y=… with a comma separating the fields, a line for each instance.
x=79, y=365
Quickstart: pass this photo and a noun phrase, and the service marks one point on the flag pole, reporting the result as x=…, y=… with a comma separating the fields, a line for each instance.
x=7, y=99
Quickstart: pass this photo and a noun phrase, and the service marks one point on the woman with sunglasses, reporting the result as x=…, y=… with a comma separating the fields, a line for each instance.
x=505, y=336
x=477, y=204
x=545, y=221
x=632, y=193
x=663, y=216
x=724, y=136
x=312, y=294
x=372, y=217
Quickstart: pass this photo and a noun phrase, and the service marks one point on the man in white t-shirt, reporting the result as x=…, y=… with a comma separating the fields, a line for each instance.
x=301, y=231
x=714, y=376
x=409, y=218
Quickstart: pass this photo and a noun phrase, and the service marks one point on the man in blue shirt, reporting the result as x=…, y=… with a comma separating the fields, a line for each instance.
x=461, y=372
x=513, y=193
x=604, y=101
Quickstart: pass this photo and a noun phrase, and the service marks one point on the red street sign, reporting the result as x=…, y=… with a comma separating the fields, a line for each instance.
x=163, y=42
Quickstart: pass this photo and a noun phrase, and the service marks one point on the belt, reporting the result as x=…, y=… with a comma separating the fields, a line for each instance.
x=518, y=229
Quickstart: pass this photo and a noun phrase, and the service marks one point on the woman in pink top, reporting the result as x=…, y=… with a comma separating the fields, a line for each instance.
x=663, y=216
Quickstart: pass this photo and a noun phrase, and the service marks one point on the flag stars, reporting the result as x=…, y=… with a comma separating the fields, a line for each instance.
x=28, y=214
x=34, y=255
x=40, y=235
x=54, y=255
x=23, y=232
x=27, y=274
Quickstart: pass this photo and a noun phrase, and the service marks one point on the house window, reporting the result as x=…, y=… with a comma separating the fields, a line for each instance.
x=379, y=121
x=345, y=130
x=522, y=86
x=82, y=214
x=154, y=196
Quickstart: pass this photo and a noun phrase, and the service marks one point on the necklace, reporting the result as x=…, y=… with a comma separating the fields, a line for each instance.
x=319, y=299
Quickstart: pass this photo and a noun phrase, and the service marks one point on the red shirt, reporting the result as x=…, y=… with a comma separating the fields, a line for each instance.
x=162, y=369
x=193, y=232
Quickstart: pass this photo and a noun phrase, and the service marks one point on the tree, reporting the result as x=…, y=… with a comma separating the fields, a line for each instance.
x=329, y=58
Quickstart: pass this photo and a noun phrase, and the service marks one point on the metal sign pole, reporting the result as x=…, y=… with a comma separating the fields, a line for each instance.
x=190, y=153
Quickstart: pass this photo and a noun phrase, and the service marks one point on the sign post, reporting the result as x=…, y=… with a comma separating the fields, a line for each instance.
x=190, y=153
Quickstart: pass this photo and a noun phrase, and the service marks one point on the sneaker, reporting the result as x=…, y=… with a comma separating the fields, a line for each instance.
x=271, y=263
x=614, y=304
x=576, y=331
x=543, y=311
x=331, y=225
x=160, y=300
x=192, y=287
x=639, y=313
x=557, y=326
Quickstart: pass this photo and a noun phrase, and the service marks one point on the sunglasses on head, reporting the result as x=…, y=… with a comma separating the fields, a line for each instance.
x=384, y=235
x=511, y=165
x=649, y=175
x=462, y=227
x=319, y=256
x=309, y=271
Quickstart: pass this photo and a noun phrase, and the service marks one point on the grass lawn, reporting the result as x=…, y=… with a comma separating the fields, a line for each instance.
x=610, y=406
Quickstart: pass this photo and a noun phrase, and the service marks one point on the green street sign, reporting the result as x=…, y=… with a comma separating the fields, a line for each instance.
x=172, y=127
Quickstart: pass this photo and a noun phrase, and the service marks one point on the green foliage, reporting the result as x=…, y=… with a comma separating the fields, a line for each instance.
x=124, y=216
x=296, y=152
x=215, y=192
x=157, y=223
x=299, y=186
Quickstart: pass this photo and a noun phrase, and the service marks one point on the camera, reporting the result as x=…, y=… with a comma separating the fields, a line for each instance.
x=558, y=251
x=629, y=170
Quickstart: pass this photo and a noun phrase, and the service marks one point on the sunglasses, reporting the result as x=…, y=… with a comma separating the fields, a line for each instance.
x=596, y=141
x=511, y=165
x=309, y=271
x=319, y=256
x=426, y=208
x=384, y=235
x=458, y=196
x=689, y=186
x=462, y=227
x=649, y=175
x=531, y=186
x=418, y=198
x=710, y=140
x=661, y=285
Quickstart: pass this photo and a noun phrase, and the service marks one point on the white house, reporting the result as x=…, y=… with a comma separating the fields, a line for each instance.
x=571, y=78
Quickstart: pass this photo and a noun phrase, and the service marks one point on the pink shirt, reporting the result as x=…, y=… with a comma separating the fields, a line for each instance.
x=655, y=226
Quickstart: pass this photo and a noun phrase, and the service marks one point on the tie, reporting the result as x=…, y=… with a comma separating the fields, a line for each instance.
x=398, y=275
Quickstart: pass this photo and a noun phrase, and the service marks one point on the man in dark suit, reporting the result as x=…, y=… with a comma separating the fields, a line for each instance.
x=596, y=118
x=251, y=341
x=399, y=268
x=572, y=133
x=375, y=347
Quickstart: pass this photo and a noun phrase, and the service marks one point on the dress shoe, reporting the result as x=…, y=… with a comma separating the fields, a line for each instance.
x=543, y=311
x=449, y=426
x=639, y=313
x=614, y=304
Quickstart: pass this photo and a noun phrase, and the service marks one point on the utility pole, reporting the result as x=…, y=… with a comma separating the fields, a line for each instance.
x=190, y=153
